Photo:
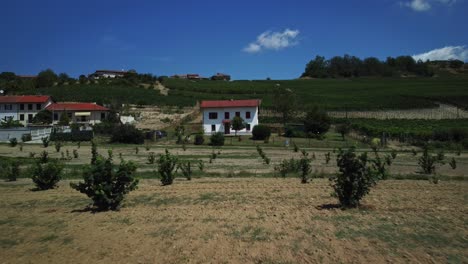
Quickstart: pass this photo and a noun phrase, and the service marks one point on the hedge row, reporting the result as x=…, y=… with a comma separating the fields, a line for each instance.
x=73, y=136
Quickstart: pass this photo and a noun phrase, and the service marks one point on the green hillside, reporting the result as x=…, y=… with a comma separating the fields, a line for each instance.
x=331, y=94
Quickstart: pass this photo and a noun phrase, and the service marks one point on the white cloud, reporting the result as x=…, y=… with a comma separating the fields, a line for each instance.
x=445, y=53
x=425, y=5
x=273, y=41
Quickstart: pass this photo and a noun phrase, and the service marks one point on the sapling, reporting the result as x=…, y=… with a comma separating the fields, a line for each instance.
x=327, y=157
x=453, y=163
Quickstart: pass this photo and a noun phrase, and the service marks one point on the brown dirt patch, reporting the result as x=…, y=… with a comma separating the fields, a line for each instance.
x=237, y=221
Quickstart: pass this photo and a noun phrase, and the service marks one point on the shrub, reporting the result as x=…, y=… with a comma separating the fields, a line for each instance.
x=46, y=174
x=107, y=185
x=287, y=166
x=10, y=170
x=151, y=158
x=74, y=135
x=343, y=129
x=305, y=167
x=327, y=157
x=393, y=154
x=137, y=150
x=317, y=122
x=186, y=169
x=45, y=142
x=262, y=154
x=217, y=139
x=199, y=139
x=379, y=165
x=166, y=165
x=26, y=137
x=58, y=146
x=201, y=165
x=354, y=180
x=296, y=148
x=261, y=132
x=13, y=142
x=75, y=154
x=127, y=134
x=427, y=162
x=453, y=163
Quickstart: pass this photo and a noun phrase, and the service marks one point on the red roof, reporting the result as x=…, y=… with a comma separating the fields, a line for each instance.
x=230, y=103
x=18, y=99
x=76, y=107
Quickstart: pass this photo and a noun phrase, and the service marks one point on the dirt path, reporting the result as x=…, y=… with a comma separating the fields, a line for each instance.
x=162, y=89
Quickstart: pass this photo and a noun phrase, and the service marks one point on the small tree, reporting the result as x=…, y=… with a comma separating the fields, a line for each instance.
x=317, y=122
x=327, y=157
x=64, y=119
x=43, y=117
x=261, y=132
x=428, y=162
x=166, y=166
x=217, y=139
x=10, y=170
x=343, y=129
x=58, y=146
x=237, y=124
x=46, y=173
x=453, y=163
x=186, y=169
x=127, y=134
x=354, y=180
x=13, y=142
x=45, y=142
x=305, y=167
x=107, y=185
x=151, y=158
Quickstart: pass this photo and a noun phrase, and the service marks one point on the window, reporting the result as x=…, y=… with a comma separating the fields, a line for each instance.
x=213, y=128
x=8, y=107
x=69, y=115
x=226, y=115
x=103, y=116
x=247, y=126
x=30, y=106
x=247, y=114
x=238, y=114
x=30, y=117
x=38, y=106
x=83, y=119
x=22, y=117
x=21, y=106
x=213, y=115
x=55, y=117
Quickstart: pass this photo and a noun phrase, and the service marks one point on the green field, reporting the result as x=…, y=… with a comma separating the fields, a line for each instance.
x=331, y=94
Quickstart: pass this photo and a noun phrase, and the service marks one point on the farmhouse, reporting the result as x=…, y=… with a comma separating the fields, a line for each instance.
x=80, y=113
x=107, y=74
x=218, y=115
x=22, y=108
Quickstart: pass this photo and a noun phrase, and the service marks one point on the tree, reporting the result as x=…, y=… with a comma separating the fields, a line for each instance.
x=217, y=139
x=46, y=78
x=43, y=117
x=237, y=124
x=166, y=166
x=64, y=119
x=456, y=64
x=284, y=102
x=63, y=78
x=82, y=79
x=127, y=134
x=8, y=76
x=107, y=185
x=316, y=68
x=46, y=174
x=343, y=129
x=354, y=180
x=317, y=122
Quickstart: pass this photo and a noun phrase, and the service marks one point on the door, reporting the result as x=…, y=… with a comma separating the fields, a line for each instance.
x=227, y=128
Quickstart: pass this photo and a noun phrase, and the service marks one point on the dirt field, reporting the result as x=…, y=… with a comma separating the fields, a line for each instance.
x=237, y=221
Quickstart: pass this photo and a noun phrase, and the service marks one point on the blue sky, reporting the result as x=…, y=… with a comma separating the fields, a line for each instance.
x=247, y=39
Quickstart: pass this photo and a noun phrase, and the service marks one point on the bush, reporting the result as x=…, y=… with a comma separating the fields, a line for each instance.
x=428, y=162
x=107, y=185
x=13, y=142
x=186, y=169
x=45, y=142
x=26, y=137
x=9, y=170
x=261, y=132
x=288, y=166
x=199, y=139
x=127, y=134
x=354, y=180
x=75, y=135
x=46, y=174
x=217, y=139
x=166, y=166
x=58, y=146
x=151, y=158
x=305, y=167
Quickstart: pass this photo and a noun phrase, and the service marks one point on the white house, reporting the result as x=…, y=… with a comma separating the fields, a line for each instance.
x=107, y=74
x=81, y=113
x=23, y=107
x=218, y=115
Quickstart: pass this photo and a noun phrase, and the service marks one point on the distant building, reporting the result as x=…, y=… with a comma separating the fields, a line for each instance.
x=81, y=113
x=107, y=74
x=179, y=76
x=23, y=107
x=193, y=76
x=221, y=77
x=217, y=115
x=26, y=76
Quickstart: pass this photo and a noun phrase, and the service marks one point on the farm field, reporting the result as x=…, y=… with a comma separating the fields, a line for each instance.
x=239, y=160
x=237, y=220
x=330, y=94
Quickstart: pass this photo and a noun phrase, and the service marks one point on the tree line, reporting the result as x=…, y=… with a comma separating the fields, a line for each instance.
x=48, y=78
x=351, y=66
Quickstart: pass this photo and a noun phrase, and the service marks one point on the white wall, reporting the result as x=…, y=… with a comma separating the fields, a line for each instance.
x=94, y=118
x=253, y=120
x=16, y=111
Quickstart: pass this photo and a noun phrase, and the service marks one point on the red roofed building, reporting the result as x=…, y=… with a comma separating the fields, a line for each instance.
x=22, y=107
x=82, y=113
x=217, y=115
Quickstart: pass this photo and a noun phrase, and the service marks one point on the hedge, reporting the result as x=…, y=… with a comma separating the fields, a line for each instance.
x=73, y=136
